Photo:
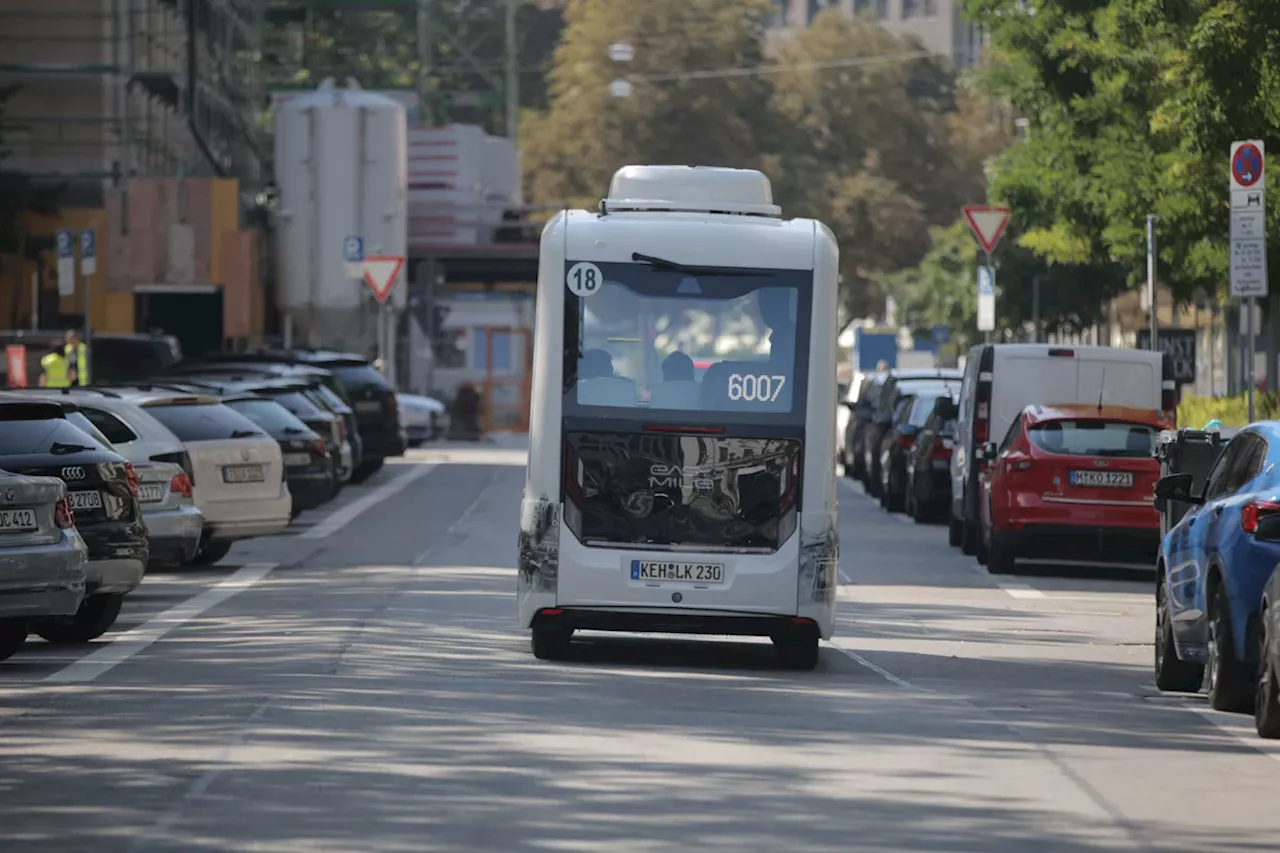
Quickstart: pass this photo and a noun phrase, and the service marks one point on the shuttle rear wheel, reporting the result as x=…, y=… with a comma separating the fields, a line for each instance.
x=551, y=643
x=797, y=651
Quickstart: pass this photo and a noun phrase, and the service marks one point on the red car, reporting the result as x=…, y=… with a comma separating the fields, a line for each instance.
x=1072, y=482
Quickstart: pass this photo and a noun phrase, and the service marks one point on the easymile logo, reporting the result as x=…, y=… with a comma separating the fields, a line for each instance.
x=673, y=477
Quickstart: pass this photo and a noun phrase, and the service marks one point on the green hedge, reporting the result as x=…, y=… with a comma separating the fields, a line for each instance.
x=1195, y=412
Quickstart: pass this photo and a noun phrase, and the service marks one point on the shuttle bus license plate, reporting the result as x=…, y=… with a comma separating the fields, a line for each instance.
x=243, y=474
x=17, y=521
x=1103, y=479
x=150, y=493
x=84, y=500
x=654, y=570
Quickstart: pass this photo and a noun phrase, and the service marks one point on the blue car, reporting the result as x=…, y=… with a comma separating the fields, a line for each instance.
x=1212, y=568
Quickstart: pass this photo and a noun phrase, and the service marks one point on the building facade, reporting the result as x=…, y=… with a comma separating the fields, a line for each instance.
x=938, y=24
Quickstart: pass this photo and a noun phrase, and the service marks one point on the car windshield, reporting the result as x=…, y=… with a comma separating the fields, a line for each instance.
x=296, y=402
x=271, y=416
x=360, y=378
x=654, y=343
x=86, y=426
x=1094, y=437
x=204, y=421
x=924, y=406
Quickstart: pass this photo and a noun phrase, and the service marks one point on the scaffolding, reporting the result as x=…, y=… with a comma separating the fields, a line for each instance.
x=113, y=89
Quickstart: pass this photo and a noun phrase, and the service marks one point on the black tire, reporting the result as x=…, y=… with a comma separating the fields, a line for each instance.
x=1230, y=685
x=13, y=633
x=799, y=653
x=911, y=503
x=1266, y=696
x=551, y=643
x=366, y=469
x=1172, y=674
x=1001, y=558
x=955, y=530
x=873, y=480
x=210, y=553
x=96, y=615
x=969, y=538
x=983, y=551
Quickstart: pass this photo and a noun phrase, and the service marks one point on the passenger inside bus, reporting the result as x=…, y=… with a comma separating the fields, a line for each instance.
x=645, y=327
x=598, y=385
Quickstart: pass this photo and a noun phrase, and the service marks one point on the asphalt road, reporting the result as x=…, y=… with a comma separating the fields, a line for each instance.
x=360, y=685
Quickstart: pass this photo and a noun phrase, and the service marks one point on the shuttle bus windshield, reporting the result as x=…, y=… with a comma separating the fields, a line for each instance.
x=655, y=344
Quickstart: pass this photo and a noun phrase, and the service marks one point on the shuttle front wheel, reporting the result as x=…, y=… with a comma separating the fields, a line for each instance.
x=550, y=643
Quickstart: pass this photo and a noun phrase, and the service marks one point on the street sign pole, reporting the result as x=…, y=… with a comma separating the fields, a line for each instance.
x=987, y=224
x=1248, y=185
x=1151, y=274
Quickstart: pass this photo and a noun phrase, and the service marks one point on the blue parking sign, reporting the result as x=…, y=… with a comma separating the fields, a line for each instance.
x=353, y=249
x=66, y=244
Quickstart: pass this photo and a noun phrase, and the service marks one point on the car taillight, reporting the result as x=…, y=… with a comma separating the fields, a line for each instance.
x=940, y=450
x=393, y=406
x=63, y=516
x=318, y=448
x=906, y=441
x=1252, y=513
x=180, y=485
x=131, y=477
x=1020, y=465
x=341, y=427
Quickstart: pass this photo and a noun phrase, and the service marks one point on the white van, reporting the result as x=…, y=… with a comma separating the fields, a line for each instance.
x=1001, y=379
x=684, y=415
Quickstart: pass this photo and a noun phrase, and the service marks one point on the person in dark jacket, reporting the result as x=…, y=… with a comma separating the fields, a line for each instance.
x=465, y=413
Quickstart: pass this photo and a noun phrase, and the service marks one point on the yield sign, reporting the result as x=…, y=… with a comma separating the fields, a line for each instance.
x=988, y=224
x=380, y=273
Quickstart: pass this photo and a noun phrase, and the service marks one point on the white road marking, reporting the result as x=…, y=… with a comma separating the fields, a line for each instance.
x=1246, y=735
x=341, y=518
x=201, y=786
x=126, y=645
x=878, y=670
x=1021, y=590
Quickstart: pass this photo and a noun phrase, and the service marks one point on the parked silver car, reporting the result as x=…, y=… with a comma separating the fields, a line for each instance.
x=424, y=418
x=42, y=556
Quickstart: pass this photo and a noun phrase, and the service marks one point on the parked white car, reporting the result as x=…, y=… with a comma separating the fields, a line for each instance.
x=175, y=525
x=237, y=470
x=423, y=418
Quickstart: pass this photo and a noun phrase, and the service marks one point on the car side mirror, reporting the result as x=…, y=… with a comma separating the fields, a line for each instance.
x=1177, y=487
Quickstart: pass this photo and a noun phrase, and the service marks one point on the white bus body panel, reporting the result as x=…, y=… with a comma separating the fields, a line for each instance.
x=555, y=569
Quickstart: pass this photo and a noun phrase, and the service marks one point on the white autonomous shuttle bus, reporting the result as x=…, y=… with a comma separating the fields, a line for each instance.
x=680, y=473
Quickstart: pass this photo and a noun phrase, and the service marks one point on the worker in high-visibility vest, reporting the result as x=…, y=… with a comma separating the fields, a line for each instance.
x=54, y=370
x=77, y=359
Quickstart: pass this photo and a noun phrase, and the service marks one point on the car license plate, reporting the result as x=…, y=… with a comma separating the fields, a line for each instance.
x=297, y=459
x=84, y=500
x=654, y=570
x=150, y=493
x=18, y=520
x=369, y=406
x=244, y=474
x=1103, y=479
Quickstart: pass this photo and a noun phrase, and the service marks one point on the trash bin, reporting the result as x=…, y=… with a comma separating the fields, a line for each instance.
x=1187, y=451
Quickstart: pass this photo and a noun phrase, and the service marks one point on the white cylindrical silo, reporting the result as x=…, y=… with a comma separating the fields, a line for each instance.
x=341, y=171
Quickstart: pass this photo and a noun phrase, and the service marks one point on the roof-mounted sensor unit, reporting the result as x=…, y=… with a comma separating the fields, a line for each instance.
x=690, y=189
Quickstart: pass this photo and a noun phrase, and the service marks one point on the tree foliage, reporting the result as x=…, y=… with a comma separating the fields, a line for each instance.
x=1132, y=105
x=853, y=125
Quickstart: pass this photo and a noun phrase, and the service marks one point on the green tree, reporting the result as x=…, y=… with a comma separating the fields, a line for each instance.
x=1132, y=105
x=572, y=149
x=883, y=148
